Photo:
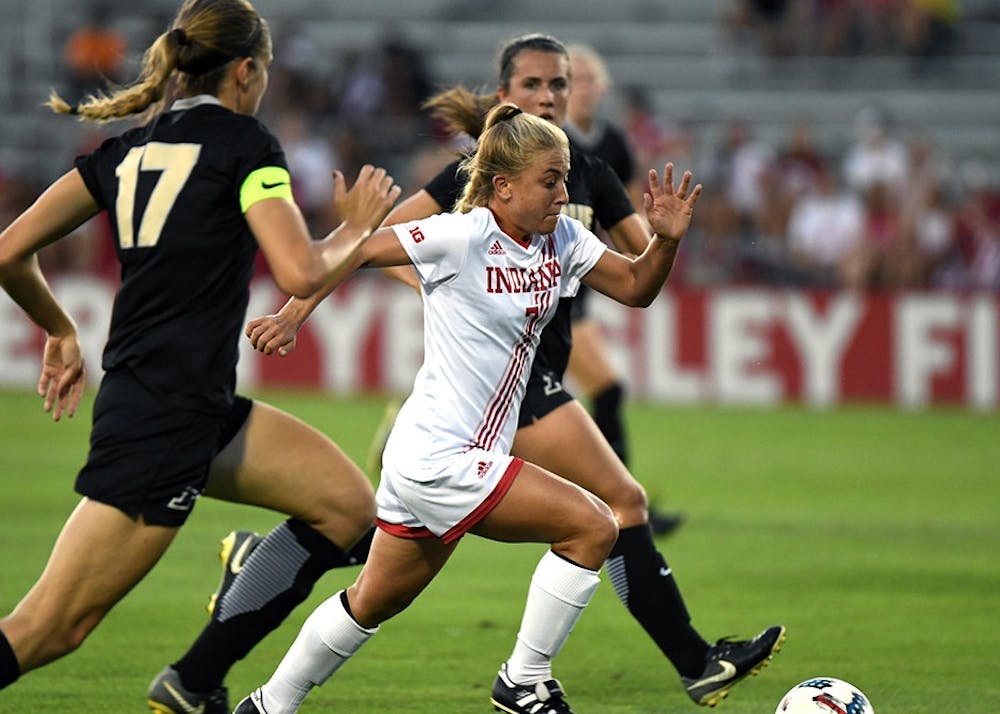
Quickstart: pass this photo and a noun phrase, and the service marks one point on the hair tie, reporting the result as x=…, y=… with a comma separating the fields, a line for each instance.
x=180, y=37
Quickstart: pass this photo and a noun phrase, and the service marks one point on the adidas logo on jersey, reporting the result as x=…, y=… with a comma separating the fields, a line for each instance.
x=483, y=468
x=496, y=249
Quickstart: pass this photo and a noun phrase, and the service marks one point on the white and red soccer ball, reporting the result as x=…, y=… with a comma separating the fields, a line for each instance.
x=824, y=695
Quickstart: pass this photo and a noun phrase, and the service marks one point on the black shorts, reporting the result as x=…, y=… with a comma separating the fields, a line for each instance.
x=149, y=458
x=545, y=393
x=578, y=310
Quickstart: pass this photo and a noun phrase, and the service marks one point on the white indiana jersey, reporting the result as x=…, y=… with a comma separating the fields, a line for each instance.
x=487, y=297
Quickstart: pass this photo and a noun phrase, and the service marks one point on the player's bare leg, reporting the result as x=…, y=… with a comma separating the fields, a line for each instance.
x=99, y=556
x=590, y=367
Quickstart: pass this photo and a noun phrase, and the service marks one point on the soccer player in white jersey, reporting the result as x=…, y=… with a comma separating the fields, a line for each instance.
x=491, y=274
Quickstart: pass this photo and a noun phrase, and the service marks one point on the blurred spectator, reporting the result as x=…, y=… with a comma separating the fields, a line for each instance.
x=405, y=80
x=311, y=162
x=793, y=174
x=746, y=161
x=926, y=215
x=929, y=30
x=825, y=226
x=711, y=254
x=928, y=233
x=976, y=264
x=800, y=161
x=392, y=82
x=654, y=138
x=357, y=87
x=875, y=260
x=834, y=21
x=876, y=156
x=95, y=54
x=295, y=79
x=768, y=20
x=879, y=26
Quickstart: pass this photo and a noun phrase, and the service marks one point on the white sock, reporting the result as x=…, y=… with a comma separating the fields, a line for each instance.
x=559, y=591
x=327, y=639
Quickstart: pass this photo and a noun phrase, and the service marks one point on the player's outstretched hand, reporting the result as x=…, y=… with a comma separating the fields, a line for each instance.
x=668, y=211
x=63, y=376
x=272, y=333
x=368, y=201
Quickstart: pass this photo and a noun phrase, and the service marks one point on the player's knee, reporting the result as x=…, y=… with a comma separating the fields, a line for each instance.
x=358, y=512
x=343, y=515
x=636, y=503
x=603, y=531
x=629, y=502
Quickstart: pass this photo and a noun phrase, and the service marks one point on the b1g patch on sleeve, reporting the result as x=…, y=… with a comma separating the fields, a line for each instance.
x=417, y=234
x=268, y=182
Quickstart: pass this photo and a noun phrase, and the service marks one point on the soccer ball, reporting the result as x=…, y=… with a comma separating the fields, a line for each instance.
x=824, y=695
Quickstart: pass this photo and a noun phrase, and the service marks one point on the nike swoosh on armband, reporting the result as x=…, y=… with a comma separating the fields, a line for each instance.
x=266, y=186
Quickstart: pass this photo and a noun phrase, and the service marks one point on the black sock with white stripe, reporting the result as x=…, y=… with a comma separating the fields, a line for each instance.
x=646, y=586
x=277, y=576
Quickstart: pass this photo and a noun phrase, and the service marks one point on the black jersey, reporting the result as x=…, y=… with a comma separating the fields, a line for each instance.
x=609, y=143
x=172, y=190
x=596, y=196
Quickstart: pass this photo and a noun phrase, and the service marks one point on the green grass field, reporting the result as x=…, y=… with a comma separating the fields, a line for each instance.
x=872, y=534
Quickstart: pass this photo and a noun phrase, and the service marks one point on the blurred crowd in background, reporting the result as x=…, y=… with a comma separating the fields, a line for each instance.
x=888, y=210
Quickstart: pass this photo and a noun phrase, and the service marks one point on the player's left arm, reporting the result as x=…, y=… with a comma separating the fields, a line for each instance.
x=636, y=282
x=630, y=236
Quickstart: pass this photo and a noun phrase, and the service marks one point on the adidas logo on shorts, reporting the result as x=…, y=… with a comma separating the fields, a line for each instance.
x=483, y=468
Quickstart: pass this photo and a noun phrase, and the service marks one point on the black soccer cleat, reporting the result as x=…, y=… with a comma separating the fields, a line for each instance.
x=541, y=698
x=727, y=662
x=236, y=548
x=166, y=695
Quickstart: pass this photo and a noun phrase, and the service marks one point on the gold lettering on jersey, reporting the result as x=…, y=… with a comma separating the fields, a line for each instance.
x=523, y=280
x=582, y=213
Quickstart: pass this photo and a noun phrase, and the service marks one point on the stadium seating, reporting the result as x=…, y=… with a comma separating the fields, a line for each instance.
x=673, y=49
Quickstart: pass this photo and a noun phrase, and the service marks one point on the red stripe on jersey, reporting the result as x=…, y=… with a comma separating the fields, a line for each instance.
x=401, y=531
x=503, y=401
x=484, y=508
x=521, y=356
x=499, y=407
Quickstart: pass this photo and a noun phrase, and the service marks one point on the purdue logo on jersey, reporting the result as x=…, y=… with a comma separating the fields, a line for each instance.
x=582, y=213
x=523, y=280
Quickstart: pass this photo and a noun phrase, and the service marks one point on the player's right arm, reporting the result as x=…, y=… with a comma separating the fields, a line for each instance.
x=276, y=333
x=64, y=206
x=301, y=266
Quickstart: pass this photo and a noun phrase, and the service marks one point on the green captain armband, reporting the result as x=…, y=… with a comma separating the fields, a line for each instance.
x=268, y=182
